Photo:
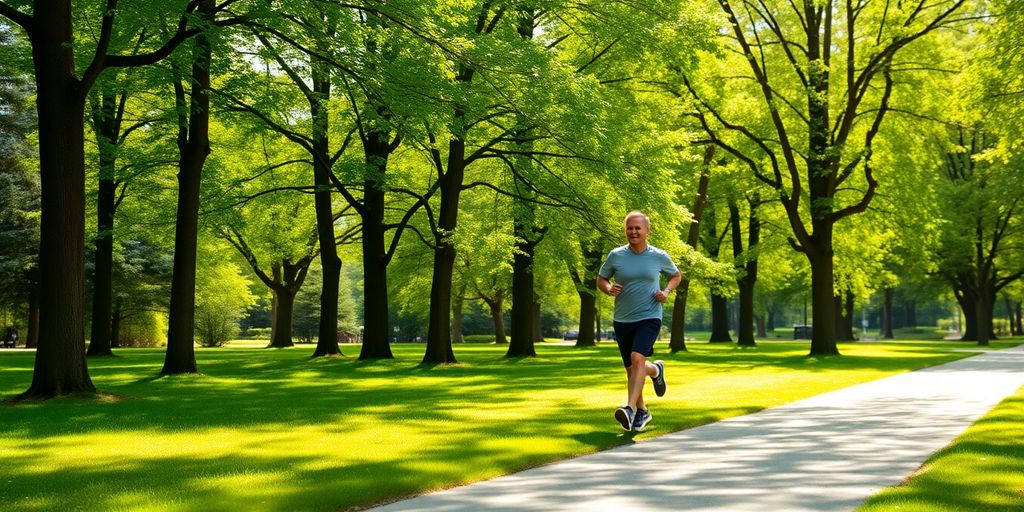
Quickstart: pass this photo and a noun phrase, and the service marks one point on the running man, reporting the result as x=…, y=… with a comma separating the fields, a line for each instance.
x=637, y=268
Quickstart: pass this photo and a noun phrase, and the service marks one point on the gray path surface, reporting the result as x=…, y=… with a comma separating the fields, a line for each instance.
x=825, y=453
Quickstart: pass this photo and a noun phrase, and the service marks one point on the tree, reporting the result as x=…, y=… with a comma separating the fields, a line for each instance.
x=19, y=200
x=806, y=136
x=979, y=256
x=193, y=147
x=61, y=95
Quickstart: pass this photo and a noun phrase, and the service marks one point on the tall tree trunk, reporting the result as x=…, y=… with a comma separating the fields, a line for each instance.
x=745, y=329
x=538, y=329
x=968, y=305
x=60, y=365
x=719, y=304
x=273, y=313
x=719, y=319
x=887, y=315
x=330, y=263
x=524, y=230
x=910, y=313
x=983, y=311
x=1008, y=304
x=106, y=124
x=759, y=323
x=497, y=309
x=439, y=341
x=115, y=326
x=771, y=319
x=458, y=299
x=281, y=337
x=193, y=146
x=32, y=337
x=677, y=337
x=376, y=339
x=588, y=313
x=823, y=335
x=586, y=288
x=524, y=305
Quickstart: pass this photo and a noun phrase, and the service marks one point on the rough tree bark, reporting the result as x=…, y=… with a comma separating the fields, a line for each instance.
x=193, y=147
x=677, y=337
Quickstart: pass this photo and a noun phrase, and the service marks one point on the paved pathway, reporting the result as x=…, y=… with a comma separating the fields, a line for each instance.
x=825, y=453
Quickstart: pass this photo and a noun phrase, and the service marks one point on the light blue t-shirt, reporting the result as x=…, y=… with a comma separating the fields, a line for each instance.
x=640, y=277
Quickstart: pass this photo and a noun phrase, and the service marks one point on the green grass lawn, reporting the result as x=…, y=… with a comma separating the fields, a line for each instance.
x=983, y=469
x=274, y=430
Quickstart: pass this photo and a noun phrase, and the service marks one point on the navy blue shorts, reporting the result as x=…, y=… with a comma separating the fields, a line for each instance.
x=637, y=337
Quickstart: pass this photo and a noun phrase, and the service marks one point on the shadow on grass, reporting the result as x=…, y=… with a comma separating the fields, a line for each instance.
x=483, y=417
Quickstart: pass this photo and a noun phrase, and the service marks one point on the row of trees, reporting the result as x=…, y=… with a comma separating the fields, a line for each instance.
x=498, y=144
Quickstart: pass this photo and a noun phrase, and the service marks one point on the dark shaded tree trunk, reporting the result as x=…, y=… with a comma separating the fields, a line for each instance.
x=759, y=323
x=193, y=146
x=538, y=329
x=771, y=319
x=887, y=315
x=719, y=319
x=284, y=282
x=968, y=305
x=106, y=117
x=823, y=335
x=376, y=341
x=439, y=341
x=32, y=337
x=115, y=326
x=458, y=299
x=496, y=307
x=677, y=337
x=330, y=263
x=844, y=319
x=1010, y=318
x=983, y=311
x=281, y=333
x=60, y=364
x=745, y=327
x=524, y=305
x=910, y=313
x=712, y=242
x=586, y=288
x=524, y=297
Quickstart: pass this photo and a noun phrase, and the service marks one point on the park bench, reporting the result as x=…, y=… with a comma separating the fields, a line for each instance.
x=11, y=338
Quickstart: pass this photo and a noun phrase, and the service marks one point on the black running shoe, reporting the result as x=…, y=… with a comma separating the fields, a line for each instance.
x=659, y=381
x=642, y=418
x=624, y=415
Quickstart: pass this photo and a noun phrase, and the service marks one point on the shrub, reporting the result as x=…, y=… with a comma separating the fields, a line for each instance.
x=222, y=298
x=148, y=329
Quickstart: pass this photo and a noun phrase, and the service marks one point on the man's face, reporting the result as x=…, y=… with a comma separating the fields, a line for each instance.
x=636, y=230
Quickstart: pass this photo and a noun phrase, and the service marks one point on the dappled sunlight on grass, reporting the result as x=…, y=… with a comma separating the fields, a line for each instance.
x=275, y=430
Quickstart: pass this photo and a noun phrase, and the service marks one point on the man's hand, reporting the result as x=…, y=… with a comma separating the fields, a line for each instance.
x=614, y=290
x=661, y=295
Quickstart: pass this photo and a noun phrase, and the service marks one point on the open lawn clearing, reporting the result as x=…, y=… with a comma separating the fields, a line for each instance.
x=274, y=430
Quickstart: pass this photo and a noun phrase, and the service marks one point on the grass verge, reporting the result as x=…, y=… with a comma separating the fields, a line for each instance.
x=982, y=469
x=275, y=430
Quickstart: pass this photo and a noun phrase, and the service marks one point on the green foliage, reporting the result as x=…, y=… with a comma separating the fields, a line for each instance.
x=145, y=329
x=222, y=298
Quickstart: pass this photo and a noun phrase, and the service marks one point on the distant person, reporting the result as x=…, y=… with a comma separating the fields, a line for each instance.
x=636, y=269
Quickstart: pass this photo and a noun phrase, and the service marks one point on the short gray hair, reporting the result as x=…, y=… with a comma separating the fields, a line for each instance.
x=638, y=213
